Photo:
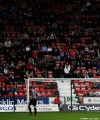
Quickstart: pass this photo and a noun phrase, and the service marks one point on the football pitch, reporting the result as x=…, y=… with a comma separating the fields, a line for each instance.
x=50, y=116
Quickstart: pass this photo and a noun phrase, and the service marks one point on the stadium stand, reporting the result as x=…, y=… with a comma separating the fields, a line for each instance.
x=37, y=38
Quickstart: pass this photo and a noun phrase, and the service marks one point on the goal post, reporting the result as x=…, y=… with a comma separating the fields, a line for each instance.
x=41, y=80
x=71, y=89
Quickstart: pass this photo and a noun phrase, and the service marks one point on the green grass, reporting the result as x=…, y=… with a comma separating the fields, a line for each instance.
x=50, y=116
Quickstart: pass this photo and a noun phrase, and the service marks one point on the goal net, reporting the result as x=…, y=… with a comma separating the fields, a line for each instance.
x=76, y=94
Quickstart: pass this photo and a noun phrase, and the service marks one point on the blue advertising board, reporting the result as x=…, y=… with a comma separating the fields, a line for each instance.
x=22, y=101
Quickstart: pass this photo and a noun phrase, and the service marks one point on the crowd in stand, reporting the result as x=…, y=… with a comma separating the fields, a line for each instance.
x=49, y=39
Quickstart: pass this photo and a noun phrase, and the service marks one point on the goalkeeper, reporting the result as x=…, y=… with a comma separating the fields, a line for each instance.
x=33, y=100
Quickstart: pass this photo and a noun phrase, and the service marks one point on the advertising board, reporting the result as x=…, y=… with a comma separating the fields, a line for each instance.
x=76, y=107
x=24, y=108
x=91, y=100
x=21, y=101
x=20, y=104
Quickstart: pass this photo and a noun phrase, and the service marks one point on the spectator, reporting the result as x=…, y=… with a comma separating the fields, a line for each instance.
x=7, y=43
x=98, y=54
x=97, y=93
x=72, y=69
x=85, y=74
x=72, y=54
x=41, y=65
x=61, y=72
x=29, y=74
x=5, y=92
x=13, y=90
x=13, y=9
x=67, y=69
x=45, y=73
x=80, y=61
x=49, y=50
x=28, y=48
x=31, y=60
x=1, y=70
x=2, y=79
x=98, y=86
x=30, y=66
x=86, y=49
x=17, y=71
x=7, y=54
x=30, y=31
x=1, y=91
x=7, y=80
x=39, y=48
x=25, y=36
x=56, y=54
x=57, y=101
x=62, y=55
x=90, y=73
x=12, y=65
x=98, y=65
x=68, y=9
x=88, y=65
x=6, y=70
x=5, y=14
x=56, y=72
x=94, y=61
x=10, y=90
x=44, y=48
x=35, y=54
x=19, y=36
x=65, y=48
x=98, y=73
x=94, y=85
x=54, y=86
x=13, y=53
x=52, y=36
x=91, y=93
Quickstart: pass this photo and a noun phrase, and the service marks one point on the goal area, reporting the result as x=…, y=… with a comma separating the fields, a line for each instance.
x=76, y=94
